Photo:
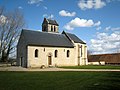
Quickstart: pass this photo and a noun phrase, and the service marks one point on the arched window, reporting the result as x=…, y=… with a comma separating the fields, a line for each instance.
x=56, y=53
x=44, y=49
x=81, y=51
x=51, y=29
x=54, y=29
x=68, y=53
x=36, y=53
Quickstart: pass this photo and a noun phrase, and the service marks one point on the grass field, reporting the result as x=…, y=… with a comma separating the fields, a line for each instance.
x=59, y=80
x=92, y=67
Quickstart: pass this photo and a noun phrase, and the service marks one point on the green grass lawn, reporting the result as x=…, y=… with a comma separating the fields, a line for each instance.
x=59, y=80
x=92, y=67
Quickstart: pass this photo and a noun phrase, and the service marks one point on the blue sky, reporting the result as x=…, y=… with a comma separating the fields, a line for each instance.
x=97, y=22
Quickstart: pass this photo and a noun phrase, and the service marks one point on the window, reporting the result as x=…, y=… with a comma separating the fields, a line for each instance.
x=68, y=53
x=56, y=53
x=51, y=29
x=44, y=49
x=54, y=29
x=36, y=53
x=81, y=51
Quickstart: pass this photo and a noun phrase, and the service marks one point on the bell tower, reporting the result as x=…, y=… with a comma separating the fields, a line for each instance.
x=49, y=25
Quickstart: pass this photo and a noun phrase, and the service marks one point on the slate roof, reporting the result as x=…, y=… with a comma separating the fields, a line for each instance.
x=54, y=22
x=46, y=39
x=74, y=38
x=49, y=21
x=108, y=58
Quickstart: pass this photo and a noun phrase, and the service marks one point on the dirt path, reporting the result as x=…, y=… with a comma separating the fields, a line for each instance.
x=55, y=69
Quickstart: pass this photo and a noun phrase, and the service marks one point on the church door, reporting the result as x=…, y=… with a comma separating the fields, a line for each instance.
x=49, y=60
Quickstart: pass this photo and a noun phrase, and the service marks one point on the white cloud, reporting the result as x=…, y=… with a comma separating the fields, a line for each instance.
x=34, y=1
x=38, y=30
x=51, y=16
x=117, y=28
x=108, y=28
x=109, y=1
x=68, y=27
x=97, y=23
x=38, y=4
x=48, y=16
x=20, y=7
x=113, y=29
x=91, y=4
x=2, y=19
x=98, y=28
x=45, y=15
x=105, y=43
x=78, y=22
x=99, y=4
x=66, y=13
x=45, y=7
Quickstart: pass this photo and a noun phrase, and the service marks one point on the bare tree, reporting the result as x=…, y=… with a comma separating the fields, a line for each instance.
x=11, y=24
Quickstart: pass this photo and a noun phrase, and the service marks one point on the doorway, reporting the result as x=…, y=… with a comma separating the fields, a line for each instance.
x=49, y=60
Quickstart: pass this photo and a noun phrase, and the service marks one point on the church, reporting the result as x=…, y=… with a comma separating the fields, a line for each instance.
x=50, y=48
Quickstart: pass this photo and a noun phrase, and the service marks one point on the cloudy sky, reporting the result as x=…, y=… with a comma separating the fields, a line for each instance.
x=97, y=22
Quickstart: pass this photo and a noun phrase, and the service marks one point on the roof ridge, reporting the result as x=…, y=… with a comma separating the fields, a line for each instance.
x=106, y=54
x=41, y=31
x=31, y=30
x=52, y=33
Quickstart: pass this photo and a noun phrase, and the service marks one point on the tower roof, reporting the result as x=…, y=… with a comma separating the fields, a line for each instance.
x=50, y=21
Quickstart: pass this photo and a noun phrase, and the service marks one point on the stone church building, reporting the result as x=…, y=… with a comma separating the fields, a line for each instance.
x=50, y=48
